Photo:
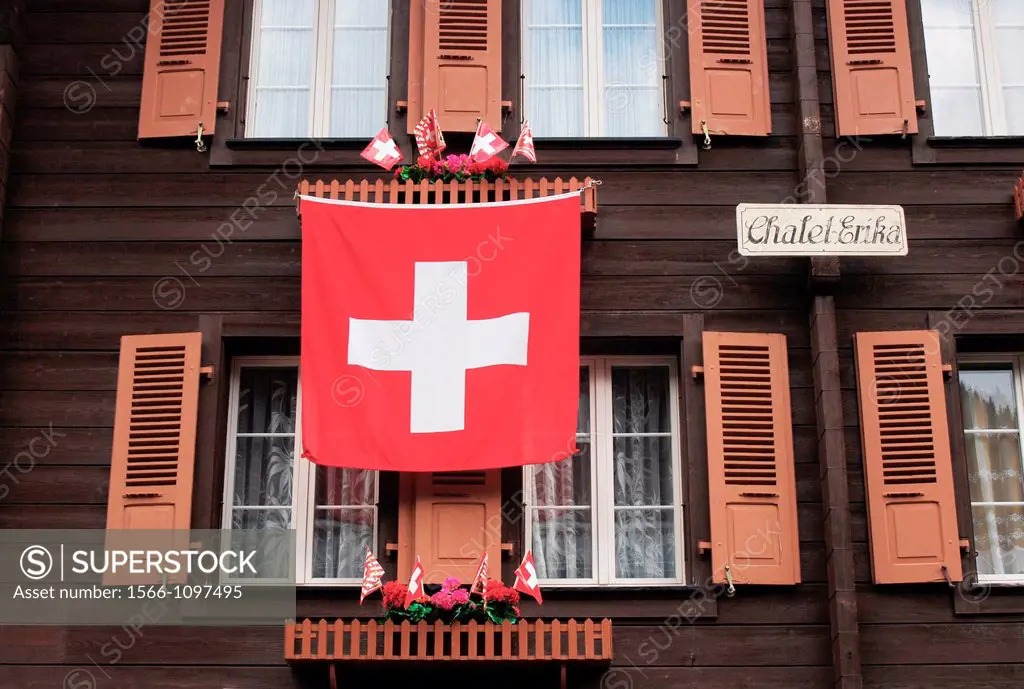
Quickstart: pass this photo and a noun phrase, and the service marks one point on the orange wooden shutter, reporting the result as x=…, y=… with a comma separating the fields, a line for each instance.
x=729, y=67
x=455, y=62
x=750, y=459
x=907, y=467
x=872, y=73
x=1018, y=198
x=154, y=432
x=457, y=517
x=179, y=82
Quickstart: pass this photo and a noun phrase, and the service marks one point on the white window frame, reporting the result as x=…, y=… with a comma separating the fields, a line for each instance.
x=986, y=55
x=321, y=88
x=602, y=476
x=593, y=65
x=1017, y=363
x=303, y=479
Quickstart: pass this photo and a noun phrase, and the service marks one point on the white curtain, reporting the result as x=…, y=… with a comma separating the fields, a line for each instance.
x=344, y=518
x=1008, y=18
x=593, y=69
x=992, y=439
x=319, y=68
x=643, y=490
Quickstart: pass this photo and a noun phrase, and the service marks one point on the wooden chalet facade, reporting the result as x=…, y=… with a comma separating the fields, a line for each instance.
x=847, y=402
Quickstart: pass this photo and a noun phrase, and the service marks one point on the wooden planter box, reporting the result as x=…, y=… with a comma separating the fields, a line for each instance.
x=511, y=189
x=557, y=640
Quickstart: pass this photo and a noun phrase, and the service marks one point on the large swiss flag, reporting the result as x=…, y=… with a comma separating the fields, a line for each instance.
x=440, y=338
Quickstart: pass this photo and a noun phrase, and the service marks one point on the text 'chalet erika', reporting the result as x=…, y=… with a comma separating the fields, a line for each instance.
x=786, y=230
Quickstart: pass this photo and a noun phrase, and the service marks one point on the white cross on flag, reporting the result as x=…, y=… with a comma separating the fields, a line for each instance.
x=427, y=330
x=524, y=144
x=415, y=584
x=486, y=143
x=526, y=578
x=373, y=575
x=383, y=150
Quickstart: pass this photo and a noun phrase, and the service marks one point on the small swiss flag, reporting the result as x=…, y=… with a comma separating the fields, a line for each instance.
x=526, y=578
x=415, y=584
x=383, y=150
x=486, y=143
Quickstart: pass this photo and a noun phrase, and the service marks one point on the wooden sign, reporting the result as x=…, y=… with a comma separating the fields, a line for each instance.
x=836, y=230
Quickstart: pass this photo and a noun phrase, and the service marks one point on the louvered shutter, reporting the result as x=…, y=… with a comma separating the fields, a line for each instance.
x=455, y=62
x=729, y=67
x=155, y=432
x=872, y=72
x=458, y=516
x=907, y=466
x=179, y=82
x=1018, y=198
x=750, y=459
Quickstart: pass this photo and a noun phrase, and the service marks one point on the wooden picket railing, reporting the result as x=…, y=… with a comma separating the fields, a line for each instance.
x=453, y=192
x=1018, y=198
x=557, y=640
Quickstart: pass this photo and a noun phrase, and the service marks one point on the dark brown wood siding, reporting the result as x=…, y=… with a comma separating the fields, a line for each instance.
x=103, y=237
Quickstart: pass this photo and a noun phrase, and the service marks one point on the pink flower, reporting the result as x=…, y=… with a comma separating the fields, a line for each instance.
x=451, y=583
x=443, y=600
x=460, y=596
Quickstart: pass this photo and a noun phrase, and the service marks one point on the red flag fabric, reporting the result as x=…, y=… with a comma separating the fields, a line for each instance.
x=481, y=578
x=383, y=150
x=524, y=144
x=373, y=576
x=526, y=578
x=429, y=137
x=486, y=144
x=428, y=331
x=415, y=584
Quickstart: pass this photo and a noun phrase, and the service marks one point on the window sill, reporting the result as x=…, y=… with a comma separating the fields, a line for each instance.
x=990, y=599
x=687, y=603
x=274, y=144
x=590, y=152
x=291, y=153
x=953, y=150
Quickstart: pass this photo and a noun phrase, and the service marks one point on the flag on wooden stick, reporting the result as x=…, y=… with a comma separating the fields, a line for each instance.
x=373, y=576
x=486, y=143
x=429, y=138
x=382, y=150
x=524, y=144
x=480, y=578
x=526, y=578
x=415, y=584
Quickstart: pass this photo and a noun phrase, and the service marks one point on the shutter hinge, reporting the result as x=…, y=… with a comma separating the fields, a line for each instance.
x=507, y=548
x=207, y=372
x=685, y=106
x=947, y=371
x=391, y=548
x=224, y=106
x=921, y=105
x=401, y=105
x=506, y=106
x=965, y=545
x=697, y=372
x=703, y=547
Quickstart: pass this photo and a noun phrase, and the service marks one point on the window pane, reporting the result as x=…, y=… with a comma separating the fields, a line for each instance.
x=274, y=546
x=263, y=471
x=631, y=95
x=583, y=418
x=553, y=67
x=283, y=69
x=564, y=483
x=952, y=68
x=562, y=543
x=994, y=467
x=643, y=471
x=999, y=539
x=640, y=402
x=645, y=544
x=266, y=400
x=340, y=540
x=336, y=486
x=359, y=68
x=987, y=397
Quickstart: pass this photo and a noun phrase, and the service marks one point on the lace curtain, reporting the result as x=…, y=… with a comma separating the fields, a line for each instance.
x=992, y=438
x=344, y=511
x=643, y=519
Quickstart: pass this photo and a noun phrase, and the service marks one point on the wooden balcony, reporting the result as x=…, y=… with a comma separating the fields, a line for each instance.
x=531, y=641
x=426, y=192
